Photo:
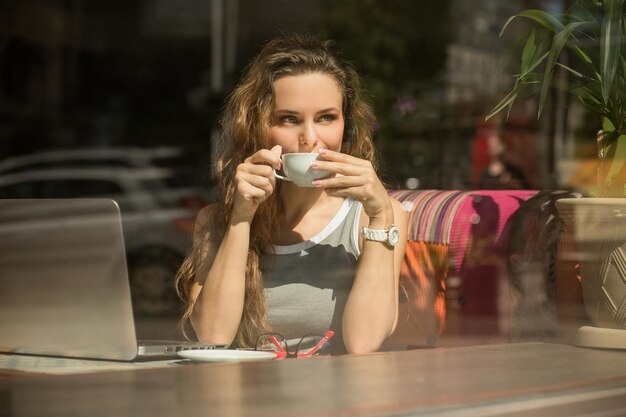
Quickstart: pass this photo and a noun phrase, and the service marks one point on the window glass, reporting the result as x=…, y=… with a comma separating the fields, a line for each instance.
x=69, y=163
x=21, y=190
x=78, y=189
x=69, y=188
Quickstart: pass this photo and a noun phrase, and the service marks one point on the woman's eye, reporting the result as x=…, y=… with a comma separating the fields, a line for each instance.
x=289, y=119
x=327, y=118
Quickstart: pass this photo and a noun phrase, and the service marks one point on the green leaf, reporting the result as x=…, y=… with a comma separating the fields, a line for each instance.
x=529, y=50
x=557, y=46
x=506, y=101
x=587, y=95
x=543, y=18
x=584, y=56
x=587, y=10
x=530, y=66
x=610, y=43
x=570, y=70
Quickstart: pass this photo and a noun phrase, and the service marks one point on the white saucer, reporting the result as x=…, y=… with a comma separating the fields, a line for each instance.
x=226, y=355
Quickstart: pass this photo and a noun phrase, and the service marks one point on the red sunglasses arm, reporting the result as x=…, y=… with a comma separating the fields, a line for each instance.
x=276, y=343
x=318, y=346
x=282, y=353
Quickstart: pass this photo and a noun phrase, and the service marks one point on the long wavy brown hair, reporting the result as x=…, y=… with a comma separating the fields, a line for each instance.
x=245, y=127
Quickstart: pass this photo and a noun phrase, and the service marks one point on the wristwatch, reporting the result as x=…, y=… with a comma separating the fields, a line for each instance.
x=389, y=236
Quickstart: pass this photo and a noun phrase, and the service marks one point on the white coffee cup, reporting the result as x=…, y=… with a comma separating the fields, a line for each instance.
x=297, y=169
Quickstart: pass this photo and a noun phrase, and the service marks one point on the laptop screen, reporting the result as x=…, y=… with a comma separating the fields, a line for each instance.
x=63, y=279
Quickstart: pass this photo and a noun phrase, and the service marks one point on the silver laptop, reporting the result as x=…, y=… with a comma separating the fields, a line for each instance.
x=64, y=287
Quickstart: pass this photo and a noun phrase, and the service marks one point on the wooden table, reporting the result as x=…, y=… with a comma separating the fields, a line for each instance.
x=492, y=380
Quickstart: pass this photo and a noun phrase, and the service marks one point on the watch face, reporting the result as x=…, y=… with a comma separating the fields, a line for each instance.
x=394, y=235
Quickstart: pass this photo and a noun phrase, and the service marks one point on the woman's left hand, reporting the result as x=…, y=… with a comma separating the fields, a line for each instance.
x=354, y=178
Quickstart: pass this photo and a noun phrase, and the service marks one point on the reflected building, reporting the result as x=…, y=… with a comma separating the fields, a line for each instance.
x=474, y=54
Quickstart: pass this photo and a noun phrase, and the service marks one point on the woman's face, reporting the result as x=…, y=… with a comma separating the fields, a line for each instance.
x=307, y=113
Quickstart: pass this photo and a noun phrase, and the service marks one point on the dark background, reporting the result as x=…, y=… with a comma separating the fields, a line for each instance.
x=83, y=73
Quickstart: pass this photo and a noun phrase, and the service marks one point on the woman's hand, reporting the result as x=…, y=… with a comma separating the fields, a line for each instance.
x=254, y=182
x=355, y=178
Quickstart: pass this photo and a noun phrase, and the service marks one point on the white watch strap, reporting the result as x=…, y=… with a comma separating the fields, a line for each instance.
x=375, y=234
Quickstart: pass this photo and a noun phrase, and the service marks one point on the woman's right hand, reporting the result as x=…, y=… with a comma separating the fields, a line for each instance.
x=254, y=182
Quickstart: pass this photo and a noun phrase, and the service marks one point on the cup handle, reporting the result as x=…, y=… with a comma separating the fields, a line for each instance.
x=277, y=175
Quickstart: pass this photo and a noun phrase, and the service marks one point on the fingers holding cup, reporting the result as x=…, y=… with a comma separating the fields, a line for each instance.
x=355, y=178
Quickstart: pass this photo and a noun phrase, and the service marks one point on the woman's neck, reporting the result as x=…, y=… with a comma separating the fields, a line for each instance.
x=297, y=201
x=304, y=211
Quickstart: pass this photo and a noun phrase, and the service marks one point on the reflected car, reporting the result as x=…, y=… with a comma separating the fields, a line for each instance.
x=187, y=170
x=123, y=157
x=157, y=220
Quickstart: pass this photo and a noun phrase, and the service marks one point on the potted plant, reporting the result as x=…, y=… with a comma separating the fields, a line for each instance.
x=587, y=42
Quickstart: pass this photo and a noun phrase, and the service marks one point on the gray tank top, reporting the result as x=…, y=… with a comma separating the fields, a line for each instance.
x=307, y=284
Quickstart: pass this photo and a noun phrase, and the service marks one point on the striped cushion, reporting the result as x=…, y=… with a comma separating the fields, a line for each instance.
x=431, y=213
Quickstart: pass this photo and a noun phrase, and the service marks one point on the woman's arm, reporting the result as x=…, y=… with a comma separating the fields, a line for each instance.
x=218, y=295
x=371, y=310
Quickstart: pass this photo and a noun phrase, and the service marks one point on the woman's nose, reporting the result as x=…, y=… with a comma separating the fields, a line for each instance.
x=308, y=136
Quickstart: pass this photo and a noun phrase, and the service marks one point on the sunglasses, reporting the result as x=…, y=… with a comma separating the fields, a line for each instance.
x=309, y=345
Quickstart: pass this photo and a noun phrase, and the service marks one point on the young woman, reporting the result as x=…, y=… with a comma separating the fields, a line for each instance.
x=275, y=257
